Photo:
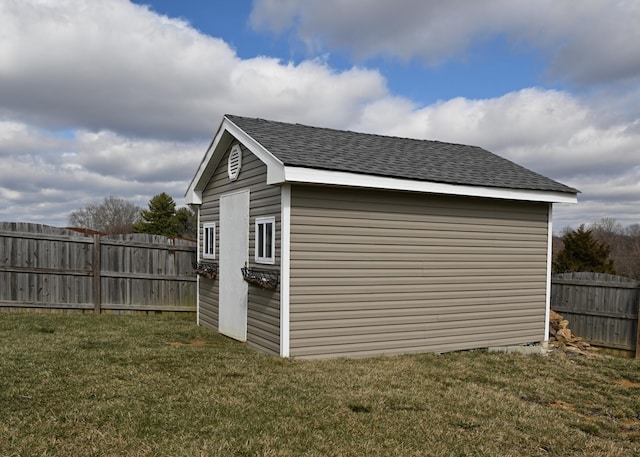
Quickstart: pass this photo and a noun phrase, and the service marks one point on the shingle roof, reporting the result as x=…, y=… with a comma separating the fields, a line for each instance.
x=299, y=145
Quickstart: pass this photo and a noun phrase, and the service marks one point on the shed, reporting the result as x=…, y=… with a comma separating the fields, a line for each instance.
x=335, y=243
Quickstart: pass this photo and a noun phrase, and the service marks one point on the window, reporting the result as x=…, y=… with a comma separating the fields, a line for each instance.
x=265, y=240
x=209, y=241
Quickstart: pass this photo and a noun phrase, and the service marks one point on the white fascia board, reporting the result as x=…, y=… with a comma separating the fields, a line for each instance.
x=338, y=178
x=216, y=150
x=198, y=182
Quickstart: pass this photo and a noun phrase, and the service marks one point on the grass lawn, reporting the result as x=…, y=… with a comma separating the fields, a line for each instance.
x=86, y=385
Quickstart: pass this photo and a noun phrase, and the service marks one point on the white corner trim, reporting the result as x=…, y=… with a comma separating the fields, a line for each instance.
x=547, y=297
x=314, y=176
x=198, y=247
x=285, y=267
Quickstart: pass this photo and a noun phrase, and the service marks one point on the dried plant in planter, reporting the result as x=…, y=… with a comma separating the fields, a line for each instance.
x=208, y=270
x=265, y=279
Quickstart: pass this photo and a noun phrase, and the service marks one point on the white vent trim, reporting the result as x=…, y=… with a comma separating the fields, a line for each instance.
x=235, y=162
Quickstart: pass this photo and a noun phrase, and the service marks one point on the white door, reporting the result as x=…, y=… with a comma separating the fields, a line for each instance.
x=234, y=253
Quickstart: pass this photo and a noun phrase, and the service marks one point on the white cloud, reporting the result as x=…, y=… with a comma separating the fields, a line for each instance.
x=38, y=182
x=118, y=66
x=309, y=92
x=548, y=128
x=136, y=160
x=585, y=42
x=16, y=136
x=515, y=119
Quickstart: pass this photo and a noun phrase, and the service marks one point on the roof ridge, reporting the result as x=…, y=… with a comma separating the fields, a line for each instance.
x=334, y=129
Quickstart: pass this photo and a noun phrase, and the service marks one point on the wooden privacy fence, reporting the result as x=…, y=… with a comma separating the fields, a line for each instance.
x=52, y=268
x=603, y=309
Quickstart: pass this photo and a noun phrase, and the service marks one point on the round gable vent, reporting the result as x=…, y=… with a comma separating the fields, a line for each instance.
x=235, y=162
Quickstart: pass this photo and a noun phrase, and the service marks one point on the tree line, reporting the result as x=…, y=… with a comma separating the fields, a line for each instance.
x=115, y=215
x=603, y=247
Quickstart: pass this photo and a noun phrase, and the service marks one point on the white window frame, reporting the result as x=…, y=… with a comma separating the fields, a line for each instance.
x=209, y=240
x=261, y=243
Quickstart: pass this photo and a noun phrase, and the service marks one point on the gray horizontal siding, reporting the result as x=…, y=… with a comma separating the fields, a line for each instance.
x=263, y=320
x=263, y=312
x=208, y=310
x=377, y=272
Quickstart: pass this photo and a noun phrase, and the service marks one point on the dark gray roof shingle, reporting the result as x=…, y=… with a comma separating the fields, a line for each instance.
x=420, y=160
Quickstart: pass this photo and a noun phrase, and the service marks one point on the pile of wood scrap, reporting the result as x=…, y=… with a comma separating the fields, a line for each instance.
x=560, y=336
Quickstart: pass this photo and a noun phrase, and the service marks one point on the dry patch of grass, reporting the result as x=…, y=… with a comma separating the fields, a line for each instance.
x=152, y=386
x=627, y=384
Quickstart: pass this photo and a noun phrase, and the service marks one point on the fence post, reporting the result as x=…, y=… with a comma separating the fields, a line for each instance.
x=97, y=267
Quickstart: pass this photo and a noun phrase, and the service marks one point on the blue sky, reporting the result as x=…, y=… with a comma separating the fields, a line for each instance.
x=116, y=98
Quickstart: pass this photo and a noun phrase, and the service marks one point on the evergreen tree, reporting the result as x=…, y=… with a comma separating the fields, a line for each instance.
x=582, y=252
x=187, y=222
x=160, y=218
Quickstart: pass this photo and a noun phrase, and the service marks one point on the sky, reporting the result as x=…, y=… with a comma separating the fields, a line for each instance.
x=121, y=98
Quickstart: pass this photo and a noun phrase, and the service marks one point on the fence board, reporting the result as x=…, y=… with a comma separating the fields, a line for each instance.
x=53, y=268
x=603, y=309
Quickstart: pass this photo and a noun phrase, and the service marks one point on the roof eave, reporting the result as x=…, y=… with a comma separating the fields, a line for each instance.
x=338, y=178
x=220, y=143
